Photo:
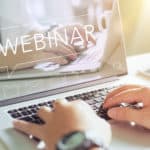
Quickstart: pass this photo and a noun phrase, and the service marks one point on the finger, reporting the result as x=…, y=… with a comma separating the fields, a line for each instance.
x=80, y=106
x=45, y=113
x=64, y=50
x=68, y=51
x=28, y=128
x=60, y=103
x=43, y=56
x=80, y=103
x=124, y=114
x=128, y=96
x=69, y=47
x=49, y=56
x=122, y=88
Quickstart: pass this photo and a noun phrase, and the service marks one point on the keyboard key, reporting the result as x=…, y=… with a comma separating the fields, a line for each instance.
x=94, y=107
x=13, y=111
x=50, y=102
x=36, y=119
x=98, y=100
x=25, y=108
x=96, y=95
x=21, y=109
x=16, y=115
x=33, y=111
x=91, y=102
x=32, y=106
x=29, y=119
x=97, y=105
x=25, y=113
x=103, y=113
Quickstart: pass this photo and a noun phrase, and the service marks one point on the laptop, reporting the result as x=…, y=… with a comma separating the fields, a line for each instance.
x=20, y=99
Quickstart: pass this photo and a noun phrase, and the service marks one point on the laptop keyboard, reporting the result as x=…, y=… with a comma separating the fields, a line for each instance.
x=93, y=98
x=29, y=113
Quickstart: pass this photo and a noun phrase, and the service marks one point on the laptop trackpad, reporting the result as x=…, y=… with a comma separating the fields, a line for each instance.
x=11, y=139
x=126, y=137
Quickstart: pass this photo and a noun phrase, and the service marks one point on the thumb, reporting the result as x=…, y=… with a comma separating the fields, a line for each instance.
x=124, y=114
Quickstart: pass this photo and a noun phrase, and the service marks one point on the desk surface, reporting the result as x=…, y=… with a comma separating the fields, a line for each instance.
x=137, y=63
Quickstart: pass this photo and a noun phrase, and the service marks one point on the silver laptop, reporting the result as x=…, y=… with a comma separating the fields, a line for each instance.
x=21, y=98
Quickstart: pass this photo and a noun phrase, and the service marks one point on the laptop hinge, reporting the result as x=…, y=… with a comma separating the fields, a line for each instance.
x=35, y=96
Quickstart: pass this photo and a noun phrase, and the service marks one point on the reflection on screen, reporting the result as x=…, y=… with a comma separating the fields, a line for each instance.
x=57, y=45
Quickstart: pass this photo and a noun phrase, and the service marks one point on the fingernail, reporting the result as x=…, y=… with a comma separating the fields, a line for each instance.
x=63, y=101
x=64, y=62
x=112, y=113
x=15, y=121
x=106, y=103
x=105, y=106
x=72, y=57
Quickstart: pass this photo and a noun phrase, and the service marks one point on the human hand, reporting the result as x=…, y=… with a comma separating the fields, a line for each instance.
x=62, y=53
x=46, y=50
x=129, y=94
x=65, y=118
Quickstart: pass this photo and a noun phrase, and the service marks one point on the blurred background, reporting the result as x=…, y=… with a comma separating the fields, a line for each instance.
x=136, y=22
x=26, y=13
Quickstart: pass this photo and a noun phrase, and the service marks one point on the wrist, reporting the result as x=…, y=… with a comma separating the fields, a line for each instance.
x=86, y=140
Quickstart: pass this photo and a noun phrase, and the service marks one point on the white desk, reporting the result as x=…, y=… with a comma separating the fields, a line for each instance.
x=134, y=64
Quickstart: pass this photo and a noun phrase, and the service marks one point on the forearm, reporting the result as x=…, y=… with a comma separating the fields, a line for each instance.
x=21, y=59
x=10, y=61
x=20, y=56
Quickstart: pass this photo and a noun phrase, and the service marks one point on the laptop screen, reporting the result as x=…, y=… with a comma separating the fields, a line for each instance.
x=51, y=44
